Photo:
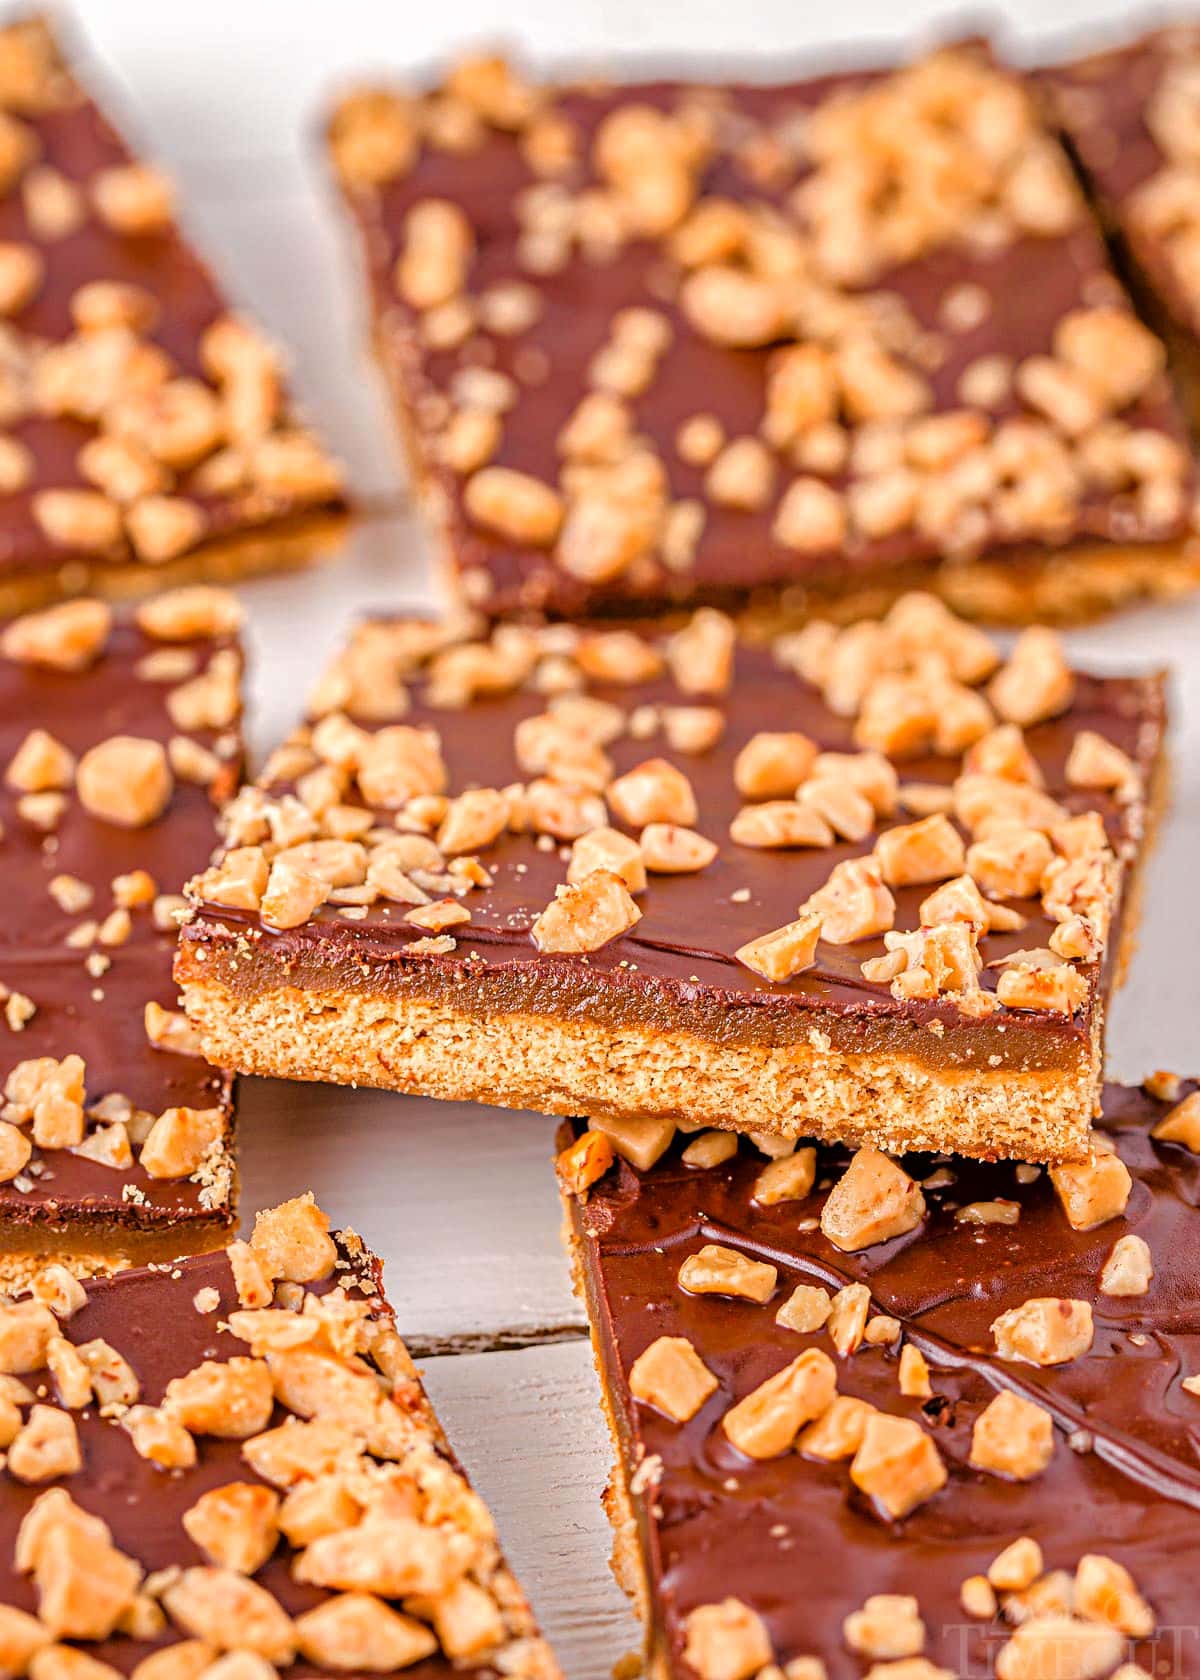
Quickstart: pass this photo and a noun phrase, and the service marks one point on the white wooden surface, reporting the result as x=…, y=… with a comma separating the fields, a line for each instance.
x=460, y=1201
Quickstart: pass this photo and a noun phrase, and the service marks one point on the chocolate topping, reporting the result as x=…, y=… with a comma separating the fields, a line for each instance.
x=976, y=294
x=677, y=964
x=66, y=144
x=790, y=1536
x=151, y=1317
x=148, y=1315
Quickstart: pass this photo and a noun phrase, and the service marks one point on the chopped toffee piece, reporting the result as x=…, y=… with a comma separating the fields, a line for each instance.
x=452, y=882
x=1129, y=116
x=148, y=436
x=229, y=1466
x=679, y=343
x=915, y=1493
x=119, y=740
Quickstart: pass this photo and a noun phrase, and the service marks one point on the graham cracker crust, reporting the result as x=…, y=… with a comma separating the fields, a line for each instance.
x=287, y=547
x=1065, y=586
x=807, y=1088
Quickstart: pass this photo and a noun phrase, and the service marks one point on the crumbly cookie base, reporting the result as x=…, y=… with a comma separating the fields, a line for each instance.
x=571, y=1067
x=93, y=1248
x=284, y=548
x=17, y=1270
x=1056, y=586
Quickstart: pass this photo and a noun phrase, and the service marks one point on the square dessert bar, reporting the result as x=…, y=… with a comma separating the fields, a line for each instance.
x=229, y=1467
x=147, y=433
x=930, y=1418
x=119, y=739
x=1129, y=117
x=866, y=884
x=797, y=346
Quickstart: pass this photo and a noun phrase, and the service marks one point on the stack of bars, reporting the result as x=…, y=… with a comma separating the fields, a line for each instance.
x=706, y=818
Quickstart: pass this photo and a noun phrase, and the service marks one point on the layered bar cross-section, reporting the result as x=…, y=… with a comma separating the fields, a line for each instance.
x=864, y=884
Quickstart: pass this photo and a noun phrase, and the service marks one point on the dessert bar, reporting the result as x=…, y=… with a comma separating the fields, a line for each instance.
x=147, y=436
x=798, y=346
x=119, y=738
x=229, y=1467
x=927, y=1418
x=867, y=884
x=1128, y=115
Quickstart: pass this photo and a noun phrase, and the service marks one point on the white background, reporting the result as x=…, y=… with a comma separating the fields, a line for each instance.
x=460, y=1201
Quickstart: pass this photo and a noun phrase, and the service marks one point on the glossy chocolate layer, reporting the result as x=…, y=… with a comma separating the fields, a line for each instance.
x=76, y=140
x=676, y=967
x=1101, y=103
x=149, y=1315
x=100, y=1017
x=791, y=1536
x=1027, y=286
